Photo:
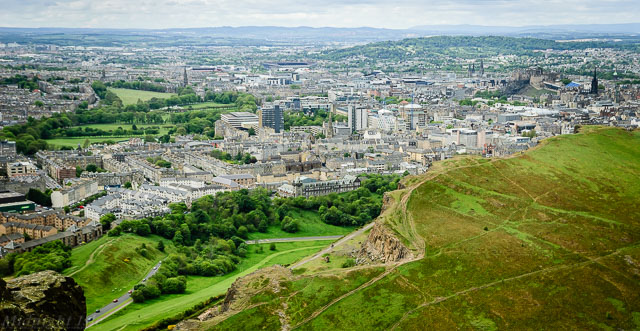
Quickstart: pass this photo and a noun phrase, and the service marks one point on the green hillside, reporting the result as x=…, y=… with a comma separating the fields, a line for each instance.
x=109, y=267
x=549, y=239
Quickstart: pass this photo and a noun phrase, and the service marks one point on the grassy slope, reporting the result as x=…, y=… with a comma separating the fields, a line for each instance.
x=545, y=240
x=106, y=275
x=310, y=225
x=130, y=97
x=136, y=316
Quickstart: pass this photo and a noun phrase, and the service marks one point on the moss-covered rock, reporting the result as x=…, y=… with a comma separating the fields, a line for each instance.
x=42, y=301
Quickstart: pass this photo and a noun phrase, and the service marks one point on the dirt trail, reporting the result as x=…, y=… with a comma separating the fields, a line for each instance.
x=418, y=240
x=91, y=257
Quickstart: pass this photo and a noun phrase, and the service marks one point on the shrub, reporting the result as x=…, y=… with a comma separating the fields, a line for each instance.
x=349, y=263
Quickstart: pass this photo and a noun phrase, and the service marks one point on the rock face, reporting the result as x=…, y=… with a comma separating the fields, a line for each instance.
x=42, y=301
x=382, y=246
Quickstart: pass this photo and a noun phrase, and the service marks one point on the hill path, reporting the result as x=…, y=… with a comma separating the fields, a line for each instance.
x=91, y=257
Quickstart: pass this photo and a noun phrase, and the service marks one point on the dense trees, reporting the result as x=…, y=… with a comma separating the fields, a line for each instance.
x=39, y=197
x=138, y=85
x=50, y=256
x=315, y=118
x=22, y=81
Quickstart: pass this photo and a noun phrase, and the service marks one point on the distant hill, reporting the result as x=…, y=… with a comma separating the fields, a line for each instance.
x=276, y=35
x=549, y=239
x=461, y=47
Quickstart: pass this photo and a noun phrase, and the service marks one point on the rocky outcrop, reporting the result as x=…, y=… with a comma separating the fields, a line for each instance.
x=382, y=246
x=42, y=301
x=239, y=296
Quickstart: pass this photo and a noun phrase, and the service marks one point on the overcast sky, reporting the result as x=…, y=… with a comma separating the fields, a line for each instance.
x=334, y=13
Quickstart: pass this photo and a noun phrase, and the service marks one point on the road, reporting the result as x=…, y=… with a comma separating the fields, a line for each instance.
x=337, y=243
x=113, y=307
x=281, y=240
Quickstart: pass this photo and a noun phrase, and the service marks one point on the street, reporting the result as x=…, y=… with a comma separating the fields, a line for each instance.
x=123, y=301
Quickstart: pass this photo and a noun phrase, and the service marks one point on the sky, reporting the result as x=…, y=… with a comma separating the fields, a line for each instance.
x=399, y=14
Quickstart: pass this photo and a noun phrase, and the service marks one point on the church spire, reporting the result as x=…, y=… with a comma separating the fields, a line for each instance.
x=186, y=78
x=594, y=82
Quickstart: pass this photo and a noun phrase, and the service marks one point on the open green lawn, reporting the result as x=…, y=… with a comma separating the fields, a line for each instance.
x=110, y=266
x=205, y=105
x=547, y=239
x=310, y=225
x=131, y=97
x=74, y=141
x=535, y=93
x=139, y=315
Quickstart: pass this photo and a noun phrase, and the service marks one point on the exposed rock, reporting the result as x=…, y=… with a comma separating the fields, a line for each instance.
x=382, y=246
x=42, y=301
x=239, y=295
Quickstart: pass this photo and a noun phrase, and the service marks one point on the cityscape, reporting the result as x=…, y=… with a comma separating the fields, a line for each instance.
x=441, y=176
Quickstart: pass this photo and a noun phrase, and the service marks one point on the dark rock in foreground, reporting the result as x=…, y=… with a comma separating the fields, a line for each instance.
x=42, y=301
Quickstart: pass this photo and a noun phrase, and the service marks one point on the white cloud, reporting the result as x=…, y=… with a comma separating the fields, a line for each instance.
x=354, y=13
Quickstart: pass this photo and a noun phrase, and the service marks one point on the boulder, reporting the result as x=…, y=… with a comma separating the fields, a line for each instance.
x=42, y=301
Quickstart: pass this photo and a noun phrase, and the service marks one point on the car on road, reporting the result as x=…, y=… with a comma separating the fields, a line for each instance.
x=115, y=300
x=90, y=319
x=97, y=310
x=130, y=291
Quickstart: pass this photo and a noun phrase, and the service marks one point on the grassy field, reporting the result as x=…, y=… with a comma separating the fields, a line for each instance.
x=535, y=93
x=310, y=225
x=139, y=315
x=548, y=239
x=74, y=141
x=208, y=105
x=131, y=97
x=110, y=266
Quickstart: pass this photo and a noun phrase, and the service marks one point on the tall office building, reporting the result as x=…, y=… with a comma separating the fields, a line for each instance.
x=357, y=118
x=271, y=117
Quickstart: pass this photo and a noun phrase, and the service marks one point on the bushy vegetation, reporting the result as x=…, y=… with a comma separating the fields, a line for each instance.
x=245, y=158
x=316, y=118
x=22, y=81
x=50, y=256
x=210, y=236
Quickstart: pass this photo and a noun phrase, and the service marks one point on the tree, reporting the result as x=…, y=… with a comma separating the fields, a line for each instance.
x=137, y=296
x=289, y=225
x=127, y=185
x=272, y=246
x=106, y=221
x=86, y=143
x=243, y=232
x=38, y=103
x=174, y=285
x=38, y=197
x=263, y=226
x=177, y=238
x=252, y=132
x=161, y=246
x=92, y=167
